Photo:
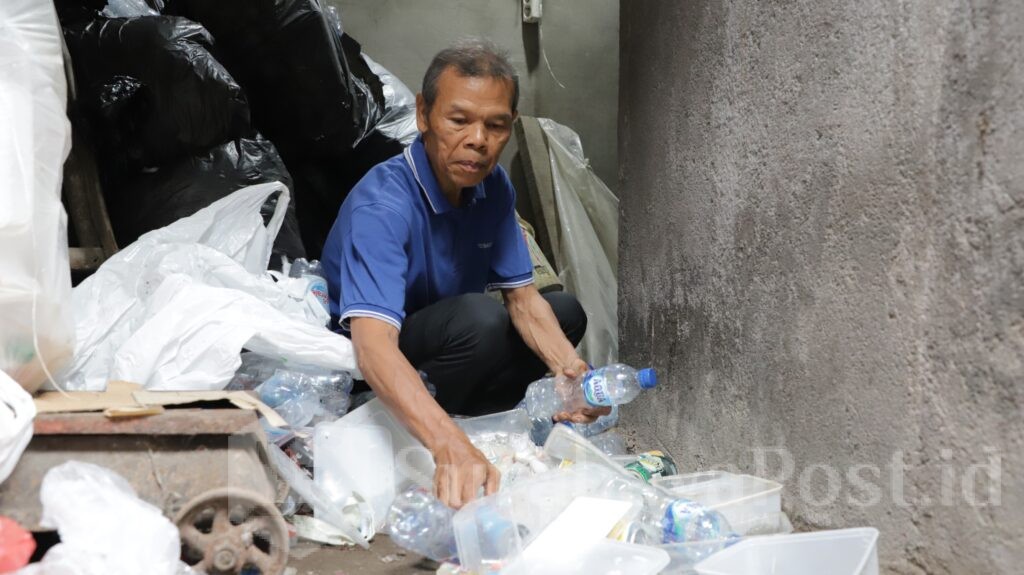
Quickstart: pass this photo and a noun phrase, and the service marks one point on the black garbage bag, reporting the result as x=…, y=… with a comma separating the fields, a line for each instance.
x=153, y=200
x=71, y=12
x=293, y=67
x=323, y=185
x=154, y=89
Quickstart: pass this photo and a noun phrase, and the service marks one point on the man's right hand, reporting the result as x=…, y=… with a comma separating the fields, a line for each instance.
x=461, y=471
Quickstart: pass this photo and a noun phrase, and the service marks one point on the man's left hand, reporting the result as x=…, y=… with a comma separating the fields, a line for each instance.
x=573, y=369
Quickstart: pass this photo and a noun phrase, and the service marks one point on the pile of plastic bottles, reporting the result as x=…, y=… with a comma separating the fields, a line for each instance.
x=537, y=484
x=303, y=395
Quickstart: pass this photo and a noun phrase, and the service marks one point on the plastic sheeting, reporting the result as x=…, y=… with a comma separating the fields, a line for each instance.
x=174, y=309
x=588, y=256
x=36, y=324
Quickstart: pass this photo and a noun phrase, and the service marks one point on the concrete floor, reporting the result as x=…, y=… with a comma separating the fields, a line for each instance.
x=383, y=558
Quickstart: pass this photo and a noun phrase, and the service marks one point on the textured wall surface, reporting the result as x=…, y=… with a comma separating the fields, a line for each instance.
x=822, y=249
x=580, y=38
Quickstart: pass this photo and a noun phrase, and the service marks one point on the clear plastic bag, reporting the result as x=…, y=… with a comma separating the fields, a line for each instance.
x=105, y=529
x=587, y=257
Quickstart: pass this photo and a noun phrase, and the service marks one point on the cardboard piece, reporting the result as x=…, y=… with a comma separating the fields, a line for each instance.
x=126, y=399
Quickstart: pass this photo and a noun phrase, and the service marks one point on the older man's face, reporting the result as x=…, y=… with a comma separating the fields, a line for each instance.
x=466, y=129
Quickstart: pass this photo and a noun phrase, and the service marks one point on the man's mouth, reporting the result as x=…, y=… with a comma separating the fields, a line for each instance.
x=471, y=167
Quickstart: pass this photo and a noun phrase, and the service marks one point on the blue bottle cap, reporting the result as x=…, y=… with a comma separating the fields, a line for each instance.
x=647, y=378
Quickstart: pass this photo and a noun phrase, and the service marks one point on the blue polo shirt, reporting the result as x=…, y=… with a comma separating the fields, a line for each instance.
x=399, y=245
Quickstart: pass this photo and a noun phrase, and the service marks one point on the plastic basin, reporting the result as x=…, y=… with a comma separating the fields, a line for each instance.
x=749, y=503
x=842, y=552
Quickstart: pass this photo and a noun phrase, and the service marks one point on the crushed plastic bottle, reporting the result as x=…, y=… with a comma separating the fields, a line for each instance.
x=301, y=394
x=419, y=522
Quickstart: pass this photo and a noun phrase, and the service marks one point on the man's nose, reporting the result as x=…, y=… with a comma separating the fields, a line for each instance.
x=477, y=137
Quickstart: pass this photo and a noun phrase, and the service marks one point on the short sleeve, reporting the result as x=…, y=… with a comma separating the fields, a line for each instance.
x=374, y=265
x=511, y=266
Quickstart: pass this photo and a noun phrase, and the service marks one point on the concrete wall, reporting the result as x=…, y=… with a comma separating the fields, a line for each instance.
x=822, y=248
x=580, y=38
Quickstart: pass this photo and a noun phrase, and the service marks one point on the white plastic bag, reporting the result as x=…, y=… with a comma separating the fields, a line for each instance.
x=17, y=410
x=588, y=218
x=36, y=327
x=174, y=309
x=104, y=528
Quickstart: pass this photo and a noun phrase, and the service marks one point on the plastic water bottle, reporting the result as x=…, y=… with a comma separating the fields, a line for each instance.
x=313, y=271
x=685, y=521
x=615, y=384
x=665, y=518
x=419, y=522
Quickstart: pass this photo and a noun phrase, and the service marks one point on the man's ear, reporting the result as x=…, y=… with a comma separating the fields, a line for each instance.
x=421, y=113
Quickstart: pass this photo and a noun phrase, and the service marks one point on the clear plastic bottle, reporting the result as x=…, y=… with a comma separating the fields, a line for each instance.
x=665, y=518
x=615, y=384
x=317, y=280
x=419, y=522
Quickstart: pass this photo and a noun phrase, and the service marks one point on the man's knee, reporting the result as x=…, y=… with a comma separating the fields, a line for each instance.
x=481, y=317
x=571, y=316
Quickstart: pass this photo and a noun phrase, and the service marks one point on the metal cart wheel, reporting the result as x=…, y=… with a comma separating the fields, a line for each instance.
x=232, y=531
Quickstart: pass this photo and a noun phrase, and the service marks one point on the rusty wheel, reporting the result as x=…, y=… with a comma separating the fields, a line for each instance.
x=231, y=532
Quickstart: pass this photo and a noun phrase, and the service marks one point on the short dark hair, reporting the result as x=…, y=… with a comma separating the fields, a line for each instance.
x=471, y=58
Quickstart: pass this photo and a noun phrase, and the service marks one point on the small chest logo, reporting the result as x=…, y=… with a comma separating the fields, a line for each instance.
x=485, y=245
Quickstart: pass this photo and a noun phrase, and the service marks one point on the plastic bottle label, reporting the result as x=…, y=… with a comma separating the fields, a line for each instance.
x=595, y=389
x=318, y=287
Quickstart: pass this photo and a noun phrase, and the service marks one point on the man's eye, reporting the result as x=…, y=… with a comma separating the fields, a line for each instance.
x=459, y=121
x=497, y=127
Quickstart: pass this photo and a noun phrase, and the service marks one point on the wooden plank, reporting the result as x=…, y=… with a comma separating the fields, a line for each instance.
x=85, y=259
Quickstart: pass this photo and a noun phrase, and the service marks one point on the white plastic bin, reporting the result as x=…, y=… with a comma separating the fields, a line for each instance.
x=606, y=557
x=564, y=443
x=749, y=503
x=842, y=552
x=684, y=556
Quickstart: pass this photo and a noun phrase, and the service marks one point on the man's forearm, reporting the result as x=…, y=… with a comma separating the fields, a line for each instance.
x=537, y=325
x=397, y=384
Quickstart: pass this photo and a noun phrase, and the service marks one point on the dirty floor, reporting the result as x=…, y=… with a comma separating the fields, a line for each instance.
x=383, y=558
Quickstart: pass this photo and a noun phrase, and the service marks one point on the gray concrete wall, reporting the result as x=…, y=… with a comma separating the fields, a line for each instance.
x=580, y=38
x=822, y=249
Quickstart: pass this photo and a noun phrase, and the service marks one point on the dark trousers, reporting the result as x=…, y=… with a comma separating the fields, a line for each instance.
x=474, y=356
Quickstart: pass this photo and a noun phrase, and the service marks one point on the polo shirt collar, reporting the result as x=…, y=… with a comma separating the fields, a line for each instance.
x=416, y=156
